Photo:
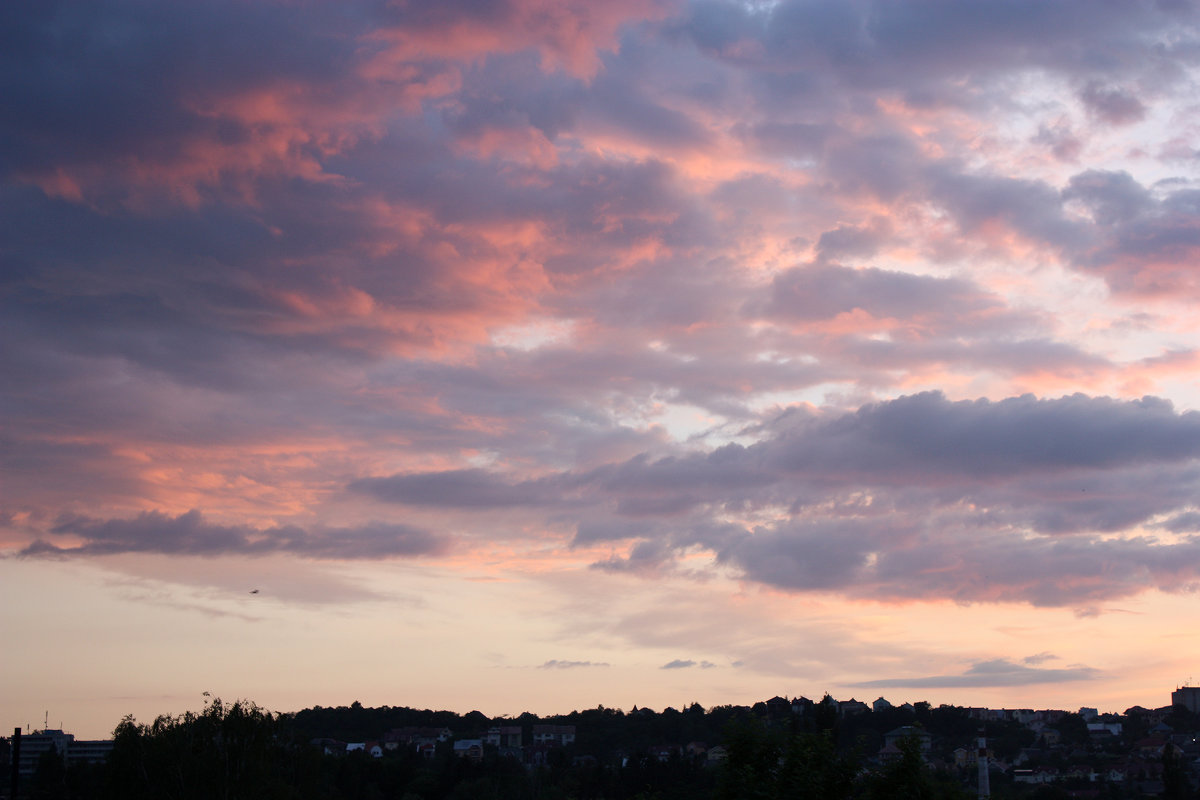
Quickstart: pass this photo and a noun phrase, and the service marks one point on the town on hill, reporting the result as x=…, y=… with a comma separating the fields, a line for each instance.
x=777, y=748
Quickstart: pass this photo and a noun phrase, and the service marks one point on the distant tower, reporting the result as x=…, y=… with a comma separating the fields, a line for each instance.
x=985, y=789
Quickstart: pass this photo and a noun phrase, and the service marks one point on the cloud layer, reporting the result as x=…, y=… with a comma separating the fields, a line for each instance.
x=881, y=299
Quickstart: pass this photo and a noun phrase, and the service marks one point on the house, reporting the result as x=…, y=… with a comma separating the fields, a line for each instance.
x=1039, y=775
x=1150, y=747
x=1025, y=716
x=554, y=735
x=1103, y=731
x=663, y=752
x=470, y=749
x=894, y=737
x=1078, y=772
x=889, y=754
x=329, y=747
x=505, y=738
x=801, y=705
x=778, y=707
x=852, y=706
x=423, y=740
x=717, y=754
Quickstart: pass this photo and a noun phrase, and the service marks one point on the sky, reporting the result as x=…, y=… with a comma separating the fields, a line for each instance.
x=540, y=354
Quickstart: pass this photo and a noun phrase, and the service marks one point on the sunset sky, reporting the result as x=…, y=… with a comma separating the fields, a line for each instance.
x=540, y=354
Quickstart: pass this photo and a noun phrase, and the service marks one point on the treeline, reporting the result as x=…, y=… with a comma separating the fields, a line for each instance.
x=240, y=751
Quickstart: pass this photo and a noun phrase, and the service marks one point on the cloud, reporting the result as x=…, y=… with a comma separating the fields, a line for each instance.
x=998, y=672
x=823, y=292
x=473, y=488
x=191, y=534
x=1113, y=105
x=1039, y=658
x=681, y=663
x=691, y=288
x=917, y=497
x=980, y=515
x=555, y=663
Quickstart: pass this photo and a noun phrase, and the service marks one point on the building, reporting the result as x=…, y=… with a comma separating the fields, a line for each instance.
x=505, y=737
x=470, y=749
x=554, y=735
x=849, y=707
x=423, y=740
x=1188, y=697
x=38, y=743
x=892, y=740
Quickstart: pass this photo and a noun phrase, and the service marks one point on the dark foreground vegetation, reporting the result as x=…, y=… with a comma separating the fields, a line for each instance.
x=240, y=751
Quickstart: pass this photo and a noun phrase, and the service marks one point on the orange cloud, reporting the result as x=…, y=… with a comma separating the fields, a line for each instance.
x=567, y=36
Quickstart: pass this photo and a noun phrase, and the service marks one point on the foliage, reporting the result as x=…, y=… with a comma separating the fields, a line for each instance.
x=231, y=751
x=908, y=778
x=223, y=752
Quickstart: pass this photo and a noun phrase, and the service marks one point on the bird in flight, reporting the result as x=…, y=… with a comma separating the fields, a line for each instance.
x=254, y=591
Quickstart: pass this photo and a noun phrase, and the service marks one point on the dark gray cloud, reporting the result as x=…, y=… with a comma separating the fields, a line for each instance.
x=89, y=85
x=191, y=534
x=920, y=441
x=686, y=663
x=1111, y=197
x=1112, y=104
x=1143, y=245
x=1010, y=501
x=822, y=291
x=1039, y=658
x=851, y=241
x=928, y=434
x=1187, y=522
x=984, y=674
x=965, y=560
x=1032, y=208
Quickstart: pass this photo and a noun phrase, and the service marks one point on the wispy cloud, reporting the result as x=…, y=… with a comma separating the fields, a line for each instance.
x=682, y=663
x=985, y=674
x=191, y=534
x=555, y=663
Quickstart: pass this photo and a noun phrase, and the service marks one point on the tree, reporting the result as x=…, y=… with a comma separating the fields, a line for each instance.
x=752, y=762
x=1175, y=780
x=224, y=752
x=908, y=778
x=812, y=769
